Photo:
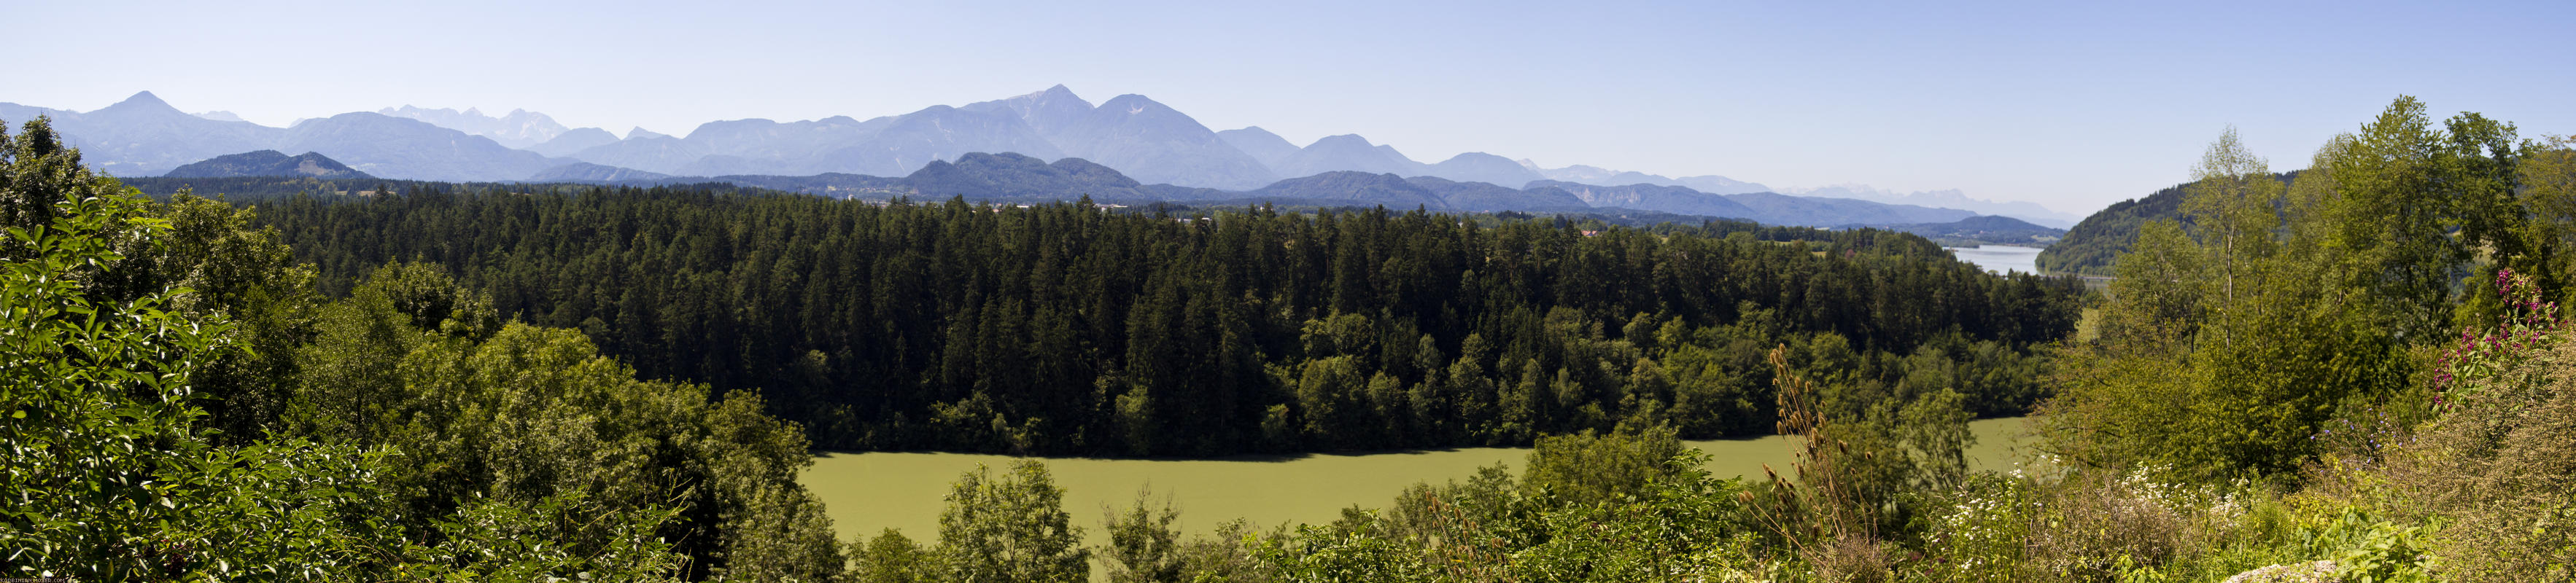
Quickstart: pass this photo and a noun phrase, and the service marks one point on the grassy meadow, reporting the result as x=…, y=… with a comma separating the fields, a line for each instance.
x=865, y=493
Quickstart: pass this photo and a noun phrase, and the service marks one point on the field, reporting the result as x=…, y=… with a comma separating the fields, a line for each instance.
x=869, y=492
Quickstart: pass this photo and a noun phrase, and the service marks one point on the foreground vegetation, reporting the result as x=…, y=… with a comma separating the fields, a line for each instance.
x=2362, y=366
x=179, y=404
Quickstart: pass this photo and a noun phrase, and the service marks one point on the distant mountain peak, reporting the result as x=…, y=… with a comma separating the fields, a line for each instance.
x=1050, y=112
x=1341, y=140
x=1132, y=103
x=144, y=101
x=1486, y=168
x=1265, y=147
x=1056, y=94
x=1348, y=152
x=574, y=140
x=519, y=129
x=640, y=132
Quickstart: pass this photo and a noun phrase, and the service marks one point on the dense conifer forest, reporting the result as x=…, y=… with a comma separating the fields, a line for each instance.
x=1062, y=328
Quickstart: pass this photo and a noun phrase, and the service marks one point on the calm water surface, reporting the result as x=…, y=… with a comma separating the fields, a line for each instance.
x=866, y=493
x=2000, y=259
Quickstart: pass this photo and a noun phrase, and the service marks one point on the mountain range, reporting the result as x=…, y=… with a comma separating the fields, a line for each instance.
x=1581, y=174
x=2035, y=214
x=1012, y=177
x=1152, y=144
x=518, y=129
x=1983, y=230
x=145, y=136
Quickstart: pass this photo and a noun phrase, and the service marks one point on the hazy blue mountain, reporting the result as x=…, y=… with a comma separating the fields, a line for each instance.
x=588, y=172
x=974, y=175
x=1016, y=177
x=782, y=148
x=723, y=165
x=1348, y=152
x=1488, y=197
x=393, y=147
x=884, y=146
x=1486, y=168
x=1714, y=184
x=644, y=151
x=1633, y=177
x=1131, y=137
x=2026, y=211
x=1051, y=112
x=1651, y=197
x=914, y=140
x=144, y=136
x=219, y=115
x=266, y=163
x=16, y=114
x=518, y=129
x=1598, y=176
x=1009, y=176
x=1352, y=187
x=1577, y=173
x=1154, y=143
x=1982, y=230
x=1782, y=209
x=1143, y=138
x=573, y=142
x=1262, y=145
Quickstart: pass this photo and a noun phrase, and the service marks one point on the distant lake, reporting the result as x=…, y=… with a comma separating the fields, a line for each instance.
x=2000, y=259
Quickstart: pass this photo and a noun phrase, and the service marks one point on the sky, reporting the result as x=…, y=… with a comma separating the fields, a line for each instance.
x=2073, y=105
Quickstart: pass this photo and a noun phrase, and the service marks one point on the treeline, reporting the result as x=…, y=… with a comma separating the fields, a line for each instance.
x=1066, y=329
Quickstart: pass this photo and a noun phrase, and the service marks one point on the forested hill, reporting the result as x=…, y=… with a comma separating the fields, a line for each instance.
x=2088, y=248
x=1061, y=328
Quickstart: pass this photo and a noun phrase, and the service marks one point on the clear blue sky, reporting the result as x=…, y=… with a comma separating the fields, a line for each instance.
x=2070, y=104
